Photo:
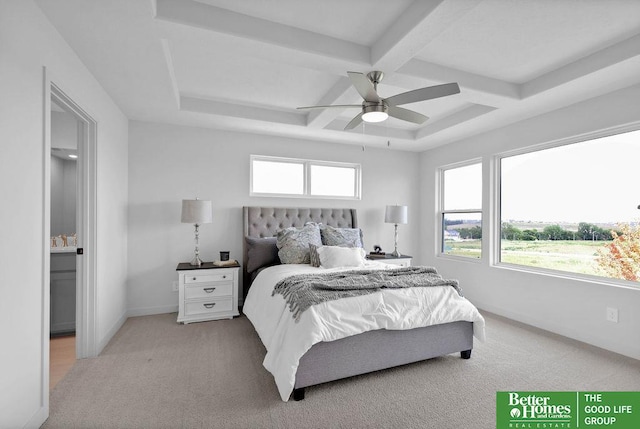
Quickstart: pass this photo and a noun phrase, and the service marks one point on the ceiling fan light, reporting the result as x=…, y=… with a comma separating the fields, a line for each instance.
x=375, y=116
x=374, y=112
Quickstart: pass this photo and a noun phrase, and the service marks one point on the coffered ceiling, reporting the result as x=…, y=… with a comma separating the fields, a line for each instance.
x=247, y=65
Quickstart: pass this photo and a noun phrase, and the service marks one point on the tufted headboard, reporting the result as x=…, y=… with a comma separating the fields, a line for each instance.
x=266, y=221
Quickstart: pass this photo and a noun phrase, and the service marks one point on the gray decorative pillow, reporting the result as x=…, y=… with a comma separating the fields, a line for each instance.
x=293, y=243
x=343, y=237
x=261, y=252
x=314, y=258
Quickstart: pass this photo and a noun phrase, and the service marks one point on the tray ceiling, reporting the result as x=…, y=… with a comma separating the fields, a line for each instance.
x=246, y=65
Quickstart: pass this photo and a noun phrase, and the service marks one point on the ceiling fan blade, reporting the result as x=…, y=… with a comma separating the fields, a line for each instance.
x=422, y=94
x=354, y=122
x=364, y=87
x=341, y=106
x=407, y=115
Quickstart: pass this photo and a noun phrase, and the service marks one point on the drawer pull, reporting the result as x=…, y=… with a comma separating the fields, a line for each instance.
x=209, y=289
x=194, y=279
x=224, y=277
x=210, y=305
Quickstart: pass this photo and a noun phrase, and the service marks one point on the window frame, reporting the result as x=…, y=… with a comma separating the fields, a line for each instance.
x=307, y=179
x=496, y=236
x=442, y=212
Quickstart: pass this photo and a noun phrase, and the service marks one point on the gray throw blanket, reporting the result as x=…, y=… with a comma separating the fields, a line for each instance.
x=304, y=290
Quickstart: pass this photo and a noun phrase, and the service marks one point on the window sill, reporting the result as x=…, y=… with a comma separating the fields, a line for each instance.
x=315, y=197
x=569, y=276
x=459, y=258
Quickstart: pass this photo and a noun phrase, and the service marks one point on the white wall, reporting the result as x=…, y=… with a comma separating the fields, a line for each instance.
x=169, y=163
x=30, y=42
x=565, y=306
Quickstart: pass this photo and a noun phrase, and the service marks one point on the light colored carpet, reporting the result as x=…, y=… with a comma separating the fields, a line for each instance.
x=156, y=373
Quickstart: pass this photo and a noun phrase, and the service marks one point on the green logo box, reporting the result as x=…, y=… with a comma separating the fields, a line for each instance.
x=547, y=410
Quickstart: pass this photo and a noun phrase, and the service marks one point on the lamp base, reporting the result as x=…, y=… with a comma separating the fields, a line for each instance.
x=395, y=252
x=196, y=261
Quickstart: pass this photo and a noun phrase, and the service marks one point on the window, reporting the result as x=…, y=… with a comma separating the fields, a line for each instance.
x=574, y=208
x=289, y=177
x=277, y=177
x=462, y=211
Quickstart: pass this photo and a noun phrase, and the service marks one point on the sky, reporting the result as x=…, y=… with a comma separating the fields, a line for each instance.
x=596, y=182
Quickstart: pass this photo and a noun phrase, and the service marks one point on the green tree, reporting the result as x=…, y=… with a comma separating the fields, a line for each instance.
x=529, y=235
x=553, y=232
x=605, y=234
x=510, y=232
x=471, y=233
x=586, y=231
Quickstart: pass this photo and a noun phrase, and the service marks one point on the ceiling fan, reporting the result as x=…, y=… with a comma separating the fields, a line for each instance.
x=377, y=109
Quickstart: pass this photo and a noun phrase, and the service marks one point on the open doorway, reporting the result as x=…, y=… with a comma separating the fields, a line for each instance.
x=69, y=294
x=65, y=135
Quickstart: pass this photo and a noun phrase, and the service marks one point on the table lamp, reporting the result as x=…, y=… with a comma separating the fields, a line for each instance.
x=196, y=212
x=396, y=215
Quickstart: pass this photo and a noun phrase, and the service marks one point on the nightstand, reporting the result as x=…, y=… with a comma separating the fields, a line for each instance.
x=402, y=260
x=207, y=292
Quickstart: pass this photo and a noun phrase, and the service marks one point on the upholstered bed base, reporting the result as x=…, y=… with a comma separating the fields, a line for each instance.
x=381, y=349
x=362, y=353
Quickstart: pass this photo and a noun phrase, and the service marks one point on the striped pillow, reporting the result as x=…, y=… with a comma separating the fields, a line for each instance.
x=313, y=255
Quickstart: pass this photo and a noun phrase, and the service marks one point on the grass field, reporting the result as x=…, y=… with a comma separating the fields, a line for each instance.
x=468, y=248
x=571, y=256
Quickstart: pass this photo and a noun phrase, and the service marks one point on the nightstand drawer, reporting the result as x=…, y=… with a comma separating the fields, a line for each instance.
x=205, y=278
x=194, y=291
x=208, y=307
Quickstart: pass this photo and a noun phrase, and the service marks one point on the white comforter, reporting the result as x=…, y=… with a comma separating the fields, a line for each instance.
x=287, y=341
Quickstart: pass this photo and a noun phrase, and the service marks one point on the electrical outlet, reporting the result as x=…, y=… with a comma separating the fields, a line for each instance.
x=612, y=314
x=174, y=286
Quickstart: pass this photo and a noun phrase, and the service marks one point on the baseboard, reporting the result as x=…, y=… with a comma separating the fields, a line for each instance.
x=107, y=337
x=149, y=311
x=38, y=418
x=630, y=350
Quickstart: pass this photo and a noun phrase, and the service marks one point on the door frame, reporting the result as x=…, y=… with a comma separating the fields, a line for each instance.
x=86, y=228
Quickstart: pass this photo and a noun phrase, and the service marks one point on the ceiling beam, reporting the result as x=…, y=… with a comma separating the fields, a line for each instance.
x=419, y=24
x=612, y=56
x=211, y=18
x=223, y=108
x=464, y=115
x=340, y=93
x=479, y=89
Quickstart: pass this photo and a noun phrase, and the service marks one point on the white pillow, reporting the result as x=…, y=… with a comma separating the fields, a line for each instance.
x=334, y=256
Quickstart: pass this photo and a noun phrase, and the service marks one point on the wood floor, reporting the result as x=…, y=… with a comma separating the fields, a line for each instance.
x=62, y=356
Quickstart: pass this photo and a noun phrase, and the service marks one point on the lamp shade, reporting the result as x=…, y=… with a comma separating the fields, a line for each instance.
x=396, y=214
x=196, y=211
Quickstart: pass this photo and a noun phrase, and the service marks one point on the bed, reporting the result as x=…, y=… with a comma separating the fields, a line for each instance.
x=317, y=360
